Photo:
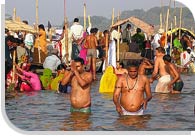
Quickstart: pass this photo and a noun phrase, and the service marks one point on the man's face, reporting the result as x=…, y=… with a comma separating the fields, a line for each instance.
x=79, y=66
x=133, y=72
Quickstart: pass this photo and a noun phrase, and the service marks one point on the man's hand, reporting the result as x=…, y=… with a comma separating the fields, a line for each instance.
x=119, y=110
x=72, y=66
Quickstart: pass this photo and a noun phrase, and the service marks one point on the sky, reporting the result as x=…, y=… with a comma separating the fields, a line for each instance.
x=53, y=10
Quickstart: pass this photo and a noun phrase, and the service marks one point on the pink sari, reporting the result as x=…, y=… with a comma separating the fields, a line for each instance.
x=83, y=51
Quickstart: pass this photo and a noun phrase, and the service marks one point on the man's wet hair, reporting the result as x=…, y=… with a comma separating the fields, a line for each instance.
x=79, y=60
x=160, y=49
x=167, y=58
x=134, y=64
x=61, y=66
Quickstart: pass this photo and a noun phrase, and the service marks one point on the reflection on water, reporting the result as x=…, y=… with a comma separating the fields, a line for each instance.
x=77, y=121
x=133, y=122
x=50, y=111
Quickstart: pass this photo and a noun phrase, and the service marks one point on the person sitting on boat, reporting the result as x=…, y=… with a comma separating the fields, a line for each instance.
x=31, y=81
x=132, y=93
x=52, y=61
x=120, y=70
x=176, y=84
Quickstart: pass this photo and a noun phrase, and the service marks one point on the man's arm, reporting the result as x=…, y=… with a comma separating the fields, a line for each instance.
x=67, y=77
x=116, y=95
x=176, y=77
x=148, y=92
x=83, y=81
x=155, y=72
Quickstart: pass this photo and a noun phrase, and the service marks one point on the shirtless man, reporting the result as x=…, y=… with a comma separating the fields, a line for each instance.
x=91, y=44
x=176, y=82
x=80, y=86
x=143, y=66
x=129, y=93
x=120, y=70
x=160, y=68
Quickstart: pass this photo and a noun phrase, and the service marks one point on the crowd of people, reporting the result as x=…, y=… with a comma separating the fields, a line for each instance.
x=132, y=90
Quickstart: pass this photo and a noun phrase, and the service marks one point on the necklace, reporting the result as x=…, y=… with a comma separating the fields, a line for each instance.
x=133, y=84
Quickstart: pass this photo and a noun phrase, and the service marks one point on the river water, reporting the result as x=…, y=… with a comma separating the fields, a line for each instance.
x=49, y=111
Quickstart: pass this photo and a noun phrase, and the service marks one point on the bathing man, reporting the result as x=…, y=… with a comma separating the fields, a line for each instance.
x=160, y=68
x=129, y=93
x=81, y=85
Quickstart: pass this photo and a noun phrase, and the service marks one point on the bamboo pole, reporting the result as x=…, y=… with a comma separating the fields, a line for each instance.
x=161, y=26
x=167, y=24
x=89, y=21
x=14, y=14
x=112, y=16
x=175, y=17
x=106, y=62
x=66, y=40
x=171, y=41
x=118, y=38
x=14, y=67
x=37, y=22
x=84, y=17
x=180, y=20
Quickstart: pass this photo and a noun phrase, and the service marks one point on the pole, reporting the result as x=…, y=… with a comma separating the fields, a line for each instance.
x=106, y=63
x=37, y=22
x=118, y=38
x=112, y=16
x=180, y=19
x=66, y=40
x=161, y=21
x=84, y=17
x=14, y=14
x=171, y=41
x=89, y=21
x=14, y=67
x=167, y=24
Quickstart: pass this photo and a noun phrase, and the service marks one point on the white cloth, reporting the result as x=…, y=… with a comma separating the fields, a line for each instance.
x=162, y=86
x=155, y=44
x=115, y=35
x=185, y=58
x=51, y=62
x=111, y=56
x=139, y=112
x=29, y=40
x=77, y=30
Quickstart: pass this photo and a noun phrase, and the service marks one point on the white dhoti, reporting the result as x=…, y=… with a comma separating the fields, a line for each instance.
x=162, y=86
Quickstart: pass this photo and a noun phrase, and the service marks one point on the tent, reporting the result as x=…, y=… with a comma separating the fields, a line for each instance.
x=145, y=27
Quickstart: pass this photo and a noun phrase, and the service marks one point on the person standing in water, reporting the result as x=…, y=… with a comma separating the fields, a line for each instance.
x=129, y=93
x=80, y=86
x=160, y=68
x=176, y=83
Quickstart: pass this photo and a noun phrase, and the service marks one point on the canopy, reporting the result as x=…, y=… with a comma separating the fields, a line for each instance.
x=18, y=26
x=183, y=31
x=147, y=28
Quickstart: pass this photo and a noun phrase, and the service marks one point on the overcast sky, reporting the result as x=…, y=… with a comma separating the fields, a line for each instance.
x=53, y=10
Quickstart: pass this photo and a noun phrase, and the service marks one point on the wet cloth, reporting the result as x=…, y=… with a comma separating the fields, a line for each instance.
x=139, y=112
x=46, y=78
x=178, y=85
x=162, y=86
x=91, y=53
x=64, y=88
x=33, y=79
x=84, y=110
